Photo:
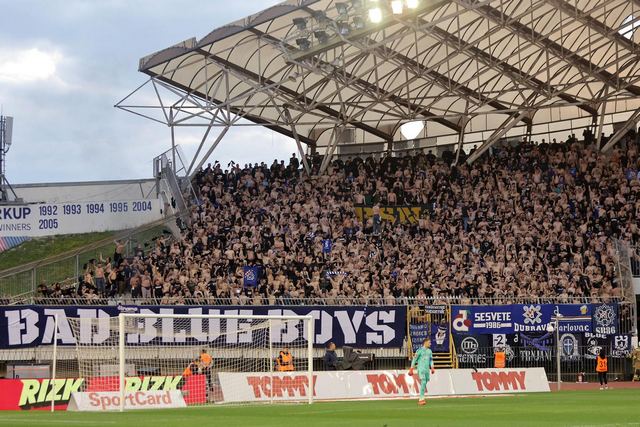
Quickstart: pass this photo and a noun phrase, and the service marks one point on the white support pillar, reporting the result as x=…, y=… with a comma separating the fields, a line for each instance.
x=192, y=172
x=502, y=130
x=337, y=134
x=303, y=155
x=601, y=122
x=630, y=124
x=463, y=125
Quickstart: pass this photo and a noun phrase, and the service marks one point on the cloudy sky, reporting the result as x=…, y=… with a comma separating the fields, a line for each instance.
x=65, y=63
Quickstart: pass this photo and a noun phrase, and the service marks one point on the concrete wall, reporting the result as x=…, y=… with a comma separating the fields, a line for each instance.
x=103, y=191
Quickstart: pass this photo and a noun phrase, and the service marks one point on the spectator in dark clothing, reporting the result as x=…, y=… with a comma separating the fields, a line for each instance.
x=330, y=358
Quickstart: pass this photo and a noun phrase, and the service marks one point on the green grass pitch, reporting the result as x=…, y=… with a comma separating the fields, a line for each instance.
x=576, y=408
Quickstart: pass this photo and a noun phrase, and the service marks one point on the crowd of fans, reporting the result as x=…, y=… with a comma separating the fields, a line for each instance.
x=532, y=220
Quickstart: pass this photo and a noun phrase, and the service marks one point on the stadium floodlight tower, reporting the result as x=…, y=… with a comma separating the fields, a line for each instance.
x=6, y=131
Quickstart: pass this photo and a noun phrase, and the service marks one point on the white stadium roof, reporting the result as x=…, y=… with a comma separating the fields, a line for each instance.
x=305, y=67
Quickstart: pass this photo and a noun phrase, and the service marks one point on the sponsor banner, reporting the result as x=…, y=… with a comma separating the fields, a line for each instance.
x=376, y=385
x=621, y=346
x=496, y=381
x=605, y=319
x=31, y=326
x=473, y=319
x=31, y=394
x=46, y=219
x=334, y=385
x=99, y=401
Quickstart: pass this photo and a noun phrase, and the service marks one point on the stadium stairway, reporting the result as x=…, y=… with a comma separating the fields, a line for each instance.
x=444, y=361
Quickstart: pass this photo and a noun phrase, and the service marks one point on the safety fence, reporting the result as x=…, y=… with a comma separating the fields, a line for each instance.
x=21, y=283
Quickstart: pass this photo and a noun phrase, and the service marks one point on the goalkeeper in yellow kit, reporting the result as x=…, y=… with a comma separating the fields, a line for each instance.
x=423, y=359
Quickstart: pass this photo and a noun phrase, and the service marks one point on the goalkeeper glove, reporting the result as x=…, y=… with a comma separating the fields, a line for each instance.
x=411, y=371
x=433, y=371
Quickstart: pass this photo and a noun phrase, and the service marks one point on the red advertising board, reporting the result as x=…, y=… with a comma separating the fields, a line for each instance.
x=33, y=394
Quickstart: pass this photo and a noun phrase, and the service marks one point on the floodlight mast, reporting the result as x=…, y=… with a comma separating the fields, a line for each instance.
x=6, y=132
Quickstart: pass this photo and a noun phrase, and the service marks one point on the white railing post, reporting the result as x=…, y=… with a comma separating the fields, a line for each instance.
x=54, y=363
x=310, y=340
x=121, y=343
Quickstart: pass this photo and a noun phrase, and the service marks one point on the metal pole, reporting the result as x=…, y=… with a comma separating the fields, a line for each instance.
x=121, y=342
x=54, y=364
x=558, y=373
x=173, y=141
x=310, y=339
x=271, y=360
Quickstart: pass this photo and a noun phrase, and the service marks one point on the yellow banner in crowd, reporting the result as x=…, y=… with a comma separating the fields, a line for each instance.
x=404, y=214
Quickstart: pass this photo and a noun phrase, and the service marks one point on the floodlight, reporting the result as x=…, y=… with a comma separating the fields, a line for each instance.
x=411, y=130
x=319, y=16
x=321, y=36
x=303, y=43
x=375, y=15
x=413, y=4
x=301, y=23
x=397, y=7
x=342, y=8
x=343, y=28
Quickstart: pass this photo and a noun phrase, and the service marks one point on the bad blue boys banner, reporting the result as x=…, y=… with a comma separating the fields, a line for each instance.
x=535, y=318
x=31, y=326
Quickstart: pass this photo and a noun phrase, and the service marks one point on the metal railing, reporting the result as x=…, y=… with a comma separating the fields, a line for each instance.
x=634, y=255
x=575, y=359
x=21, y=282
x=336, y=301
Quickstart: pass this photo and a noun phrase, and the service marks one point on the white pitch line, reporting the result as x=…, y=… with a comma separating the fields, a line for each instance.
x=30, y=421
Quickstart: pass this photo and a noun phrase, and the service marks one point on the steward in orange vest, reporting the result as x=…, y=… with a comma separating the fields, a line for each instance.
x=284, y=361
x=500, y=359
x=602, y=368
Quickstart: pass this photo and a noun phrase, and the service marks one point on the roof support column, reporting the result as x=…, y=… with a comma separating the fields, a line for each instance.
x=603, y=111
x=195, y=170
x=495, y=137
x=173, y=142
x=630, y=124
x=303, y=155
x=337, y=135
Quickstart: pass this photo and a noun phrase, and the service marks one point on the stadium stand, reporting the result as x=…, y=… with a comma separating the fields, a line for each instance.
x=534, y=220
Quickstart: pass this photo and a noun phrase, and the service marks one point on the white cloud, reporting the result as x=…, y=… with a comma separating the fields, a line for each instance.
x=25, y=66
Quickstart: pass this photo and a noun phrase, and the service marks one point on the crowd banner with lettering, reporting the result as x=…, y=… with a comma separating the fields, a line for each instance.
x=478, y=319
x=31, y=326
x=621, y=346
x=418, y=332
x=601, y=319
x=473, y=351
x=605, y=319
x=47, y=219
